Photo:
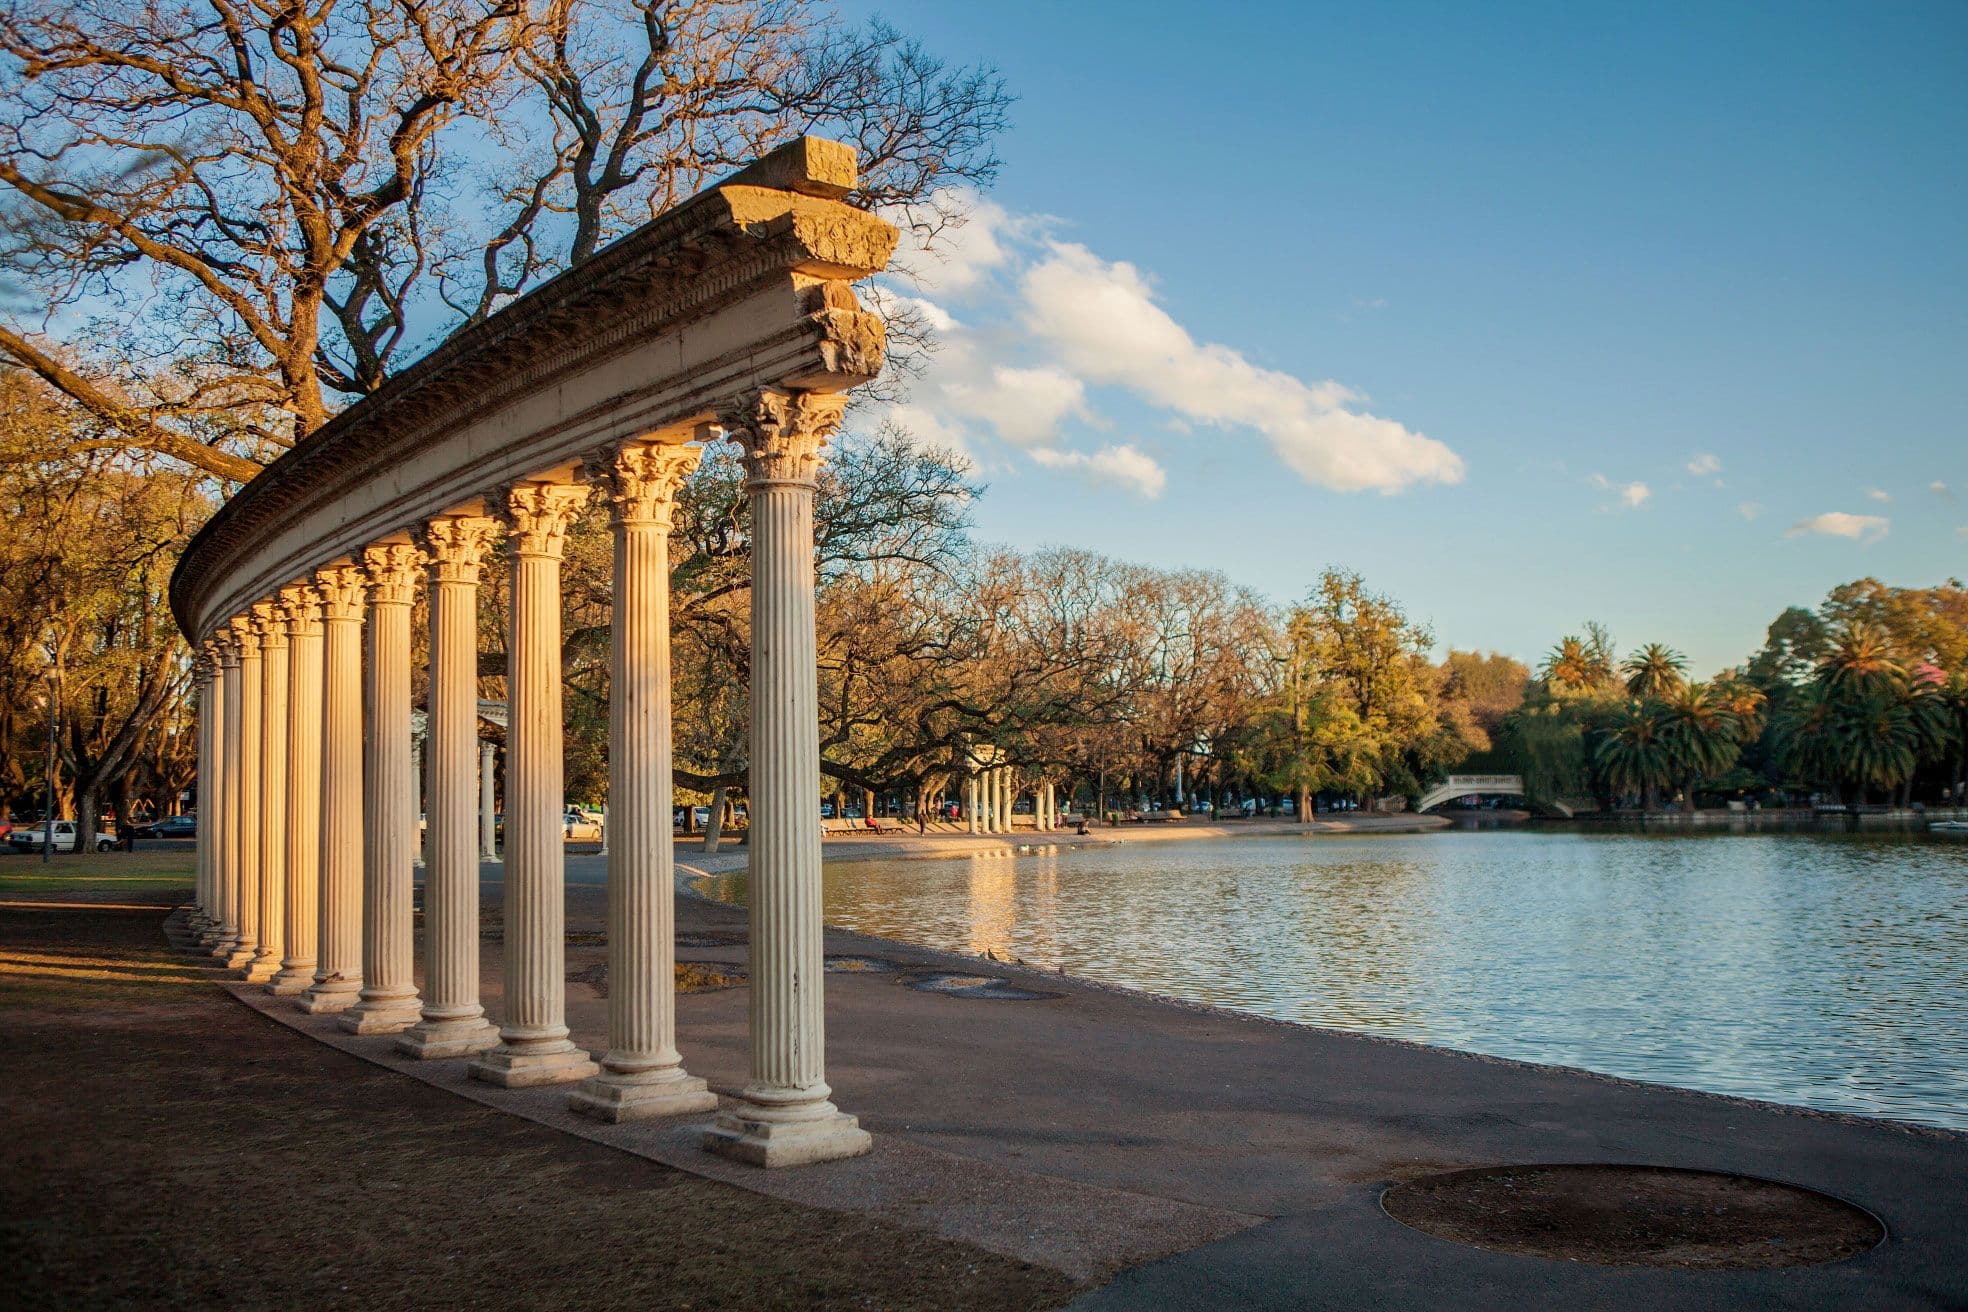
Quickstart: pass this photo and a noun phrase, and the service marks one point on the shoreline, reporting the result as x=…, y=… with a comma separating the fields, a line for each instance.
x=928, y=848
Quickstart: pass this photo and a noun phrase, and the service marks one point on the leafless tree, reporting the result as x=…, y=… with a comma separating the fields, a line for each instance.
x=254, y=208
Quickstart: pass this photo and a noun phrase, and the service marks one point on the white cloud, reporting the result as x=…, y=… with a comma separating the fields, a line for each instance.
x=1840, y=524
x=1024, y=405
x=1045, y=331
x=1939, y=489
x=1124, y=465
x=1749, y=509
x=1705, y=464
x=952, y=240
x=1100, y=320
x=1879, y=494
x=1631, y=495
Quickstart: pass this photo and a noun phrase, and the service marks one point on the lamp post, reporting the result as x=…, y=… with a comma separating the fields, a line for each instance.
x=48, y=812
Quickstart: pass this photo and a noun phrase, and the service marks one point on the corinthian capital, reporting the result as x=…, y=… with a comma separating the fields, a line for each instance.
x=245, y=637
x=457, y=545
x=642, y=479
x=537, y=515
x=782, y=433
x=270, y=624
x=344, y=591
x=390, y=569
x=300, y=606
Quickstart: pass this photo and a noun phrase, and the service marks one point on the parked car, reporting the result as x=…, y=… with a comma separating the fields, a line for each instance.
x=577, y=826
x=30, y=840
x=177, y=826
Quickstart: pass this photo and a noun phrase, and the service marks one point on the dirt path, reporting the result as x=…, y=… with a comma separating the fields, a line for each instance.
x=171, y=1148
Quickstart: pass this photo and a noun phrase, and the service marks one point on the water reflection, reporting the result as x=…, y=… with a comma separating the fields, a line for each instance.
x=1825, y=970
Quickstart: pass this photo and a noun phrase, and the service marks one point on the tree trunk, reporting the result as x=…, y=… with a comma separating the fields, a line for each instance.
x=1304, y=805
x=715, y=828
x=87, y=811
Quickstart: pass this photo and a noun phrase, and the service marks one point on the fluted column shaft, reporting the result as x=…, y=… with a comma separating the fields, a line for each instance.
x=453, y=1023
x=203, y=901
x=488, y=818
x=246, y=798
x=301, y=607
x=784, y=1117
x=225, y=833
x=970, y=803
x=641, y=1074
x=273, y=794
x=338, y=953
x=388, y=1002
x=533, y=1043
x=211, y=796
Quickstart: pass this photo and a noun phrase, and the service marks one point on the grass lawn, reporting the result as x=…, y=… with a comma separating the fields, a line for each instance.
x=160, y=872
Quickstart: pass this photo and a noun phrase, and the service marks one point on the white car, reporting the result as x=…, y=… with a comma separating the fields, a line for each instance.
x=579, y=827
x=30, y=840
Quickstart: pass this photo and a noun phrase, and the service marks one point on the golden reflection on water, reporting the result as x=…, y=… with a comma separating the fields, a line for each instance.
x=1825, y=970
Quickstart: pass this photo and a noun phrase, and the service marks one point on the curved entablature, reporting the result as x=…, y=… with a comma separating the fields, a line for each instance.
x=740, y=291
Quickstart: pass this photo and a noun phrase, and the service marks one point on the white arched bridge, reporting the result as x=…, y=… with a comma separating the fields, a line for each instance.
x=1470, y=785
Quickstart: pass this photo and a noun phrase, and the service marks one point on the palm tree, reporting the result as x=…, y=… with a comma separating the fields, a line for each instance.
x=1655, y=670
x=1703, y=734
x=1576, y=665
x=1875, y=739
x=1862, y=658
x=1634, y=752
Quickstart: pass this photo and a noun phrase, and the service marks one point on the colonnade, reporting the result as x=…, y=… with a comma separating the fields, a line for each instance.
x=991, y=795
x=306, y=850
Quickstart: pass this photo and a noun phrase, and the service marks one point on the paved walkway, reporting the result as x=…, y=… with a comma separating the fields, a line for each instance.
x=1099, y=1129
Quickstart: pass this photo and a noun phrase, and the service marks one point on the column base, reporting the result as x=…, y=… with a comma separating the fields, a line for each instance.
x=315, y=1001
x=760, y=1136
x=292, y=981
x=612, y=1097
x=436, y=1040
x=527, y=1068
x=238, y=958
x=259, y=972
x=382, y=1015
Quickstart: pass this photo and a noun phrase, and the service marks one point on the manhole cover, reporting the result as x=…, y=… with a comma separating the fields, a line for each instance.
x=976, y=986
x=1654, y=1216
x=847, y=964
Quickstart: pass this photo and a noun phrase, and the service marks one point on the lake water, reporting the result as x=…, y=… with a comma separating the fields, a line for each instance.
x=1829, y=971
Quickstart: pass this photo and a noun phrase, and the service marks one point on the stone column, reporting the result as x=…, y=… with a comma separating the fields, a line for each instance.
x=783, y=1116
x=533, y=1044
x=970, y=802
x=225, y=844
x=211, y=794
x=338, y=956
x=202, y=900
x=641, y=1074
x=453, y=1023
x=418, y=766
x=388, y=1002
x=272, y=628
x=301, y=608
x=488, y=805
x=245, y=796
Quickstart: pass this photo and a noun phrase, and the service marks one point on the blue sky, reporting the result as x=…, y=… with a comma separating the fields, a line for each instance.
x=1656, y=315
